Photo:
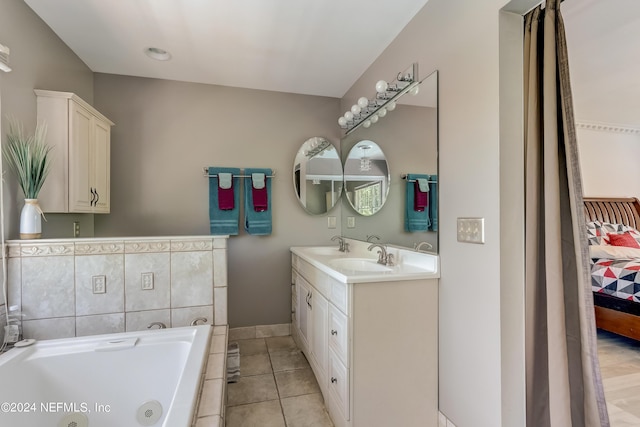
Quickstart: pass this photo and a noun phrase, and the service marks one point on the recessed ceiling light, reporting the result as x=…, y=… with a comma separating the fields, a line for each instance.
x=157, y=53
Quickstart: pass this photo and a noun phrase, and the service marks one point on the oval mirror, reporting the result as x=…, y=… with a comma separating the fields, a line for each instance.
x=317, y=176
x=366, y=177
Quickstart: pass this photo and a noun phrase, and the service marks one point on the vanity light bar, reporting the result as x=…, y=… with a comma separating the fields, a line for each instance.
x=319, y=148
x=367, y=112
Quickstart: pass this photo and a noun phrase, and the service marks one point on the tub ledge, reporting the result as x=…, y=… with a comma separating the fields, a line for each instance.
x=211, y=408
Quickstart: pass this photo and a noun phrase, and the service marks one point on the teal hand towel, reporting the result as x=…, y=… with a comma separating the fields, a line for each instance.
x=414, y=220
x=223, y=222
x=257, y=213
x=433, y=202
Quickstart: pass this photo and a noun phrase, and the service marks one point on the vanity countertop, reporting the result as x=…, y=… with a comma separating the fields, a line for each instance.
x=360, y=265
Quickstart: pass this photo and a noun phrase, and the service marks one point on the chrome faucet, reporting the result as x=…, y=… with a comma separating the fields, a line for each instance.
x=370, y=237
x=195, y=321
x=419, y=246
x=342, y=245
x=160, y=325
x=383, y=257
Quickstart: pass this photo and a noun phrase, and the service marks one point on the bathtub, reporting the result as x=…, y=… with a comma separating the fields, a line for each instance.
x=149, y=378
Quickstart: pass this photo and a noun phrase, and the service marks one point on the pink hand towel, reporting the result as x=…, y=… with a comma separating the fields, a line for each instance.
x=259, y=192
x=420, y=198
x=260, y=199
x=225, y=196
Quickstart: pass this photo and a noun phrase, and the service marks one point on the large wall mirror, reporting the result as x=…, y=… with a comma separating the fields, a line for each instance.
x=408, y=137
x=317, y=176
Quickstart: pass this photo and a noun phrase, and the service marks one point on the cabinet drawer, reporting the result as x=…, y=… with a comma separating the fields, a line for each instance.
x=339, y=383
x=339, y=334
x=339, y=295
x=318, y=279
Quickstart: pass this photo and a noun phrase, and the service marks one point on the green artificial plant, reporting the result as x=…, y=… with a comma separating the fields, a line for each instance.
x=28, y=156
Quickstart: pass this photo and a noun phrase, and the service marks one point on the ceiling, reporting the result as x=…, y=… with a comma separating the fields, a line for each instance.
x=307, y=47
x=322, y=47
x=604, y=61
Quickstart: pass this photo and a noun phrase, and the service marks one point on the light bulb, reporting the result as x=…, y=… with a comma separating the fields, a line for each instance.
x=374, y=118
x=348, y=115
x=355, y=109
x=342, y=121
x=363, y=102
x=381, y=86
x=382, y=112
x=366, y=123
x=414, y=91
x=391, y=106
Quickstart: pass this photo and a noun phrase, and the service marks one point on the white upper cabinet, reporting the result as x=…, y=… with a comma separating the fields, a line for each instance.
x=79, y=180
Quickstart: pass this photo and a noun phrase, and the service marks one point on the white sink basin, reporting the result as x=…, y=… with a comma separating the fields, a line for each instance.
x=358, y=264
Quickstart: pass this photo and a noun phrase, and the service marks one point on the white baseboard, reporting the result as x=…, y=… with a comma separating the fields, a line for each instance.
x=260, y=331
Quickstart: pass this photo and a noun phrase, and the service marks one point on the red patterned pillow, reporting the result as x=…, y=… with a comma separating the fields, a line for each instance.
x=623, y=239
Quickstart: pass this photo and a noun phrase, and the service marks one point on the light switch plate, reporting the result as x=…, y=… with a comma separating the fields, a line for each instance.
x=351, y=222
x=99, y=284
x=471, y=230
x=331, y=222
x=147, y=281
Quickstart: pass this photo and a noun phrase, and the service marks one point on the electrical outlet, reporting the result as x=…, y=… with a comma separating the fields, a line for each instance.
x=331, y=222
x=76, y=228
x=147, y=281
x=471, y=230
x=99, y=284
x=351, y=222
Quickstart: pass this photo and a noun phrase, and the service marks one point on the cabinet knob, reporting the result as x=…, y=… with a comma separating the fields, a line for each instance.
x=334, y=332
x=334, y=380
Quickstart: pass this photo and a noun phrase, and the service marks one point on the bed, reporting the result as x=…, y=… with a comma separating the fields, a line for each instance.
x=615, y=270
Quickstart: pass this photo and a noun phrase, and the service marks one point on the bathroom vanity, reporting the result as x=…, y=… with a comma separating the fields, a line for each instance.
x=369, y=332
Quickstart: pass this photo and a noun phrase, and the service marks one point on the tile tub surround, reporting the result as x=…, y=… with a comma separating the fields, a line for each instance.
x=53, y=281
x=211, y=403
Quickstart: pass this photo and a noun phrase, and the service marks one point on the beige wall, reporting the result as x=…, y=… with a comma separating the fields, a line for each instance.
x=460, y=39
x=609, y=163
x=40, y=60
x=167, y=131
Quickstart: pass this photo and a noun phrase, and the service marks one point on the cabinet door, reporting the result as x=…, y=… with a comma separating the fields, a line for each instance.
x=101, y=166
x=339, y=385
x=80, y=158
x=302, y=310
x=319, y=328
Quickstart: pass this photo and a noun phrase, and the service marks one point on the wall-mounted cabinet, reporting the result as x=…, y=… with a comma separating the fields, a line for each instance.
x=79, y=180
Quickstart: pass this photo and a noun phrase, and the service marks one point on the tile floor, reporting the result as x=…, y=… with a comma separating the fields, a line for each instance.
x=277, y=387
x=620, y=368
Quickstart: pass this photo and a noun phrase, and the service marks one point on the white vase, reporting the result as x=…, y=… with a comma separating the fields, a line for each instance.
x=31, y=220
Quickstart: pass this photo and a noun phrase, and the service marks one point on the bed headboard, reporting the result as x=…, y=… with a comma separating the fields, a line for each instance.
x=614, y=210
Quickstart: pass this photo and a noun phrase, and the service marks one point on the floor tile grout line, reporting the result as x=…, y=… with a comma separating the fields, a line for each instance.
x=273, y=373
x=284, y=418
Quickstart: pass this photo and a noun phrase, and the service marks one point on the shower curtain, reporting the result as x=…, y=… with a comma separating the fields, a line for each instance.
x=564, y=386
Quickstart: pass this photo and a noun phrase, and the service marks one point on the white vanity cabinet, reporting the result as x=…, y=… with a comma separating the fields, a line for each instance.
x=373, y=349
x=79, y=180
x=311, y=312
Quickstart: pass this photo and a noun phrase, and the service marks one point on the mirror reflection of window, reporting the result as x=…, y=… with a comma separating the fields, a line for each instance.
x=366, y=177
x=368, y=198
